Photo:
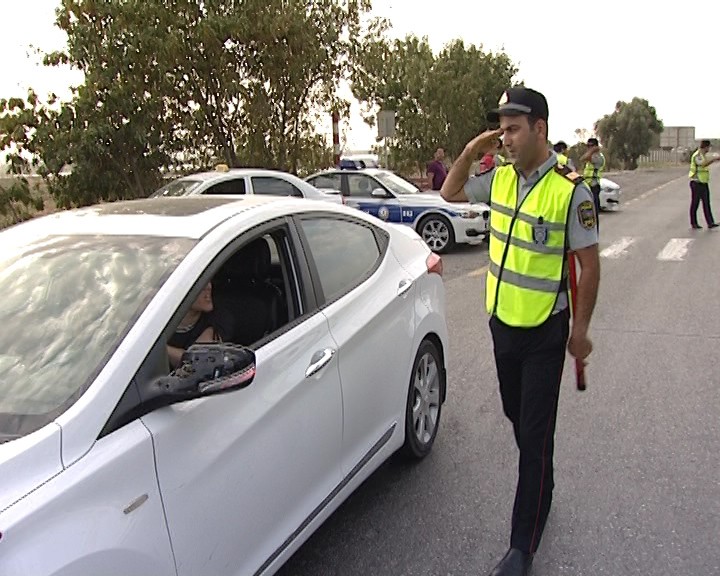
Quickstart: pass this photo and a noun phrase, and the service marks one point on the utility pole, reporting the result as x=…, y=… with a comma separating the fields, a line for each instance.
x=336, y=137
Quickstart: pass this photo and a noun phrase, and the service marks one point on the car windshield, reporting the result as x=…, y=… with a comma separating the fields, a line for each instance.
x=396, y=184
x=179, y=187
x=68, y=302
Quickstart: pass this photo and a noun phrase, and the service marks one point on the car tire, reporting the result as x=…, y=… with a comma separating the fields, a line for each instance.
x=424, y=402
x=437, y=232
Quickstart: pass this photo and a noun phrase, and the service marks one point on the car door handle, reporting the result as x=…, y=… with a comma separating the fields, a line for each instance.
x=319, y=360
x=404, y=286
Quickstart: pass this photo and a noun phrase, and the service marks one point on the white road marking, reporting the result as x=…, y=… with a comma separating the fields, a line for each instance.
x=618, y=248
x=478, y=272
x=675, y=249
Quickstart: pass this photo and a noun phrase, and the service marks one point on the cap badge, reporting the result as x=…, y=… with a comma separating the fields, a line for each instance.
x=503, y=99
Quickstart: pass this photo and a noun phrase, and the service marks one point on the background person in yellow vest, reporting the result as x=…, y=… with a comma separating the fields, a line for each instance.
x=561, y=150
x=538, y=211
x=594, y=167
x=700, y=185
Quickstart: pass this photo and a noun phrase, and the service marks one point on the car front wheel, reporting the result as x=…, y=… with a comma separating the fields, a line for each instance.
x=438, y=233
x=424, y=402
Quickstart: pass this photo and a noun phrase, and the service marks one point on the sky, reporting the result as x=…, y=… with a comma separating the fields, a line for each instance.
x=584, y=60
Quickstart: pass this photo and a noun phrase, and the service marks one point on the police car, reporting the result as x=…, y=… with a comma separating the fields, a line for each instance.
x=391, y=198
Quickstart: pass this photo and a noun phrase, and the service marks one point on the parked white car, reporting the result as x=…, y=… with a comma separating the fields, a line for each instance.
x=334, y=359
x=610, y=194
x=242, y=181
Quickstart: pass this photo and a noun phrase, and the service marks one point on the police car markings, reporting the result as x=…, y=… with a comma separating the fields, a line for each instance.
x=675, y=249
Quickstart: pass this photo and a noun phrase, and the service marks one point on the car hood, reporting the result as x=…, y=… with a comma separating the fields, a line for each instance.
x=28, y=462
x=607, y=183
x=435, y=199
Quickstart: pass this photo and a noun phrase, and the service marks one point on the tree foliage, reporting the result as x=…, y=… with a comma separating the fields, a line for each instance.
x=440, y=100
x=630, y=131
x=185, y=83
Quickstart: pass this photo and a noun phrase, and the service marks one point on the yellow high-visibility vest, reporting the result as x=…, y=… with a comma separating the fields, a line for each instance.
x=527, y=246
x=702, y=173
x=591, y=173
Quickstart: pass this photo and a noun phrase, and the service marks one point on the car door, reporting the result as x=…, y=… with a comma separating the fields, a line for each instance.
x=369, y=303
x=360, y=188
x=240, y=473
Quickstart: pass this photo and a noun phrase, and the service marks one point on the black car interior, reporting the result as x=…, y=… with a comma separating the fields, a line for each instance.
x=250, y=287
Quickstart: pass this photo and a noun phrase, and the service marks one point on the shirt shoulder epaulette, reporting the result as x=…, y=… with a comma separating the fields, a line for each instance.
x=568, y=173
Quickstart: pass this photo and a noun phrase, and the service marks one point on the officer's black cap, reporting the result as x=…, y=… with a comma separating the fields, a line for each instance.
x=519, y=100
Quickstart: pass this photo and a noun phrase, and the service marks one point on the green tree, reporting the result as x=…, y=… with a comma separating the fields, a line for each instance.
x=630, y=131
x=185, y=83
x=439, y=100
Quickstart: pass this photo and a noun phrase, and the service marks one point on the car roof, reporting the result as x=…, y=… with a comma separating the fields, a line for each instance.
x=213, y=174
x=178, y=217
x=370, y=171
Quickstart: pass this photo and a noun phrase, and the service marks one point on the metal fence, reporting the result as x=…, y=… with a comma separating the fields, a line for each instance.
x=663, y=157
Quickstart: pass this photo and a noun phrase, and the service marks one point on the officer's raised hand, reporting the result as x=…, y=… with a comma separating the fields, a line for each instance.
x=452, y=188
x=484, y=143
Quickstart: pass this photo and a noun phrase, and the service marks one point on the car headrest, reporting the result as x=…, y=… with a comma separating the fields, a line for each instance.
x=251, y=262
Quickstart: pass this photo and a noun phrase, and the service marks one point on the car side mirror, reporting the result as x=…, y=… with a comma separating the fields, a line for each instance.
x=379, y=193
x=206, y=370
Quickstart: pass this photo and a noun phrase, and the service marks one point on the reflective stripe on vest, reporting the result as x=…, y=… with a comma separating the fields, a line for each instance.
x=527, y=247
x=701, y=173
x=591, y=173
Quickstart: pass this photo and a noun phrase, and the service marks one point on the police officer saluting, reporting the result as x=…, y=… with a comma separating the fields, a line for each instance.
x=539, y=211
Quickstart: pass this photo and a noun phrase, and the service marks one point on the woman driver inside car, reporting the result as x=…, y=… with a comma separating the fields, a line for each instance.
x=200, y=324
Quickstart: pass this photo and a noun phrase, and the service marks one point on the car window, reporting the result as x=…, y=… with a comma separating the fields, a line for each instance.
x=232, y=186
x=361, y=186
x=179, y=187
x=67, y=303
x=345, y=253
x=397, y=184
x=274, y=186
x=328, y=181
x=253, y=294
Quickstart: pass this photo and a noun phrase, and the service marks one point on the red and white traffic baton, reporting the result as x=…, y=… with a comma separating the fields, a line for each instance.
x=579, y=364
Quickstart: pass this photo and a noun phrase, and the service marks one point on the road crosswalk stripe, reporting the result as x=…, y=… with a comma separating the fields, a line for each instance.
x=618, y=248
x=675, y=249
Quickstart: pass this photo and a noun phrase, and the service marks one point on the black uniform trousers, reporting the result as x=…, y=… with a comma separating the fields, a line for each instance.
x=595, y=189
x=529, y=364
x=700, y=192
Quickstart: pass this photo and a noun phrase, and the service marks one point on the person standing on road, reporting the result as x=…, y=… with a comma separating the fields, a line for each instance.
x=700, y=185
x=538, y=211
x=593, y=171
x=561, y=149
x=436, y=170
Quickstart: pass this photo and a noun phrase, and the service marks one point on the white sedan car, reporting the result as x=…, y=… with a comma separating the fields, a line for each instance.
x=242, y=181
x=333, y=358
x=610, y=194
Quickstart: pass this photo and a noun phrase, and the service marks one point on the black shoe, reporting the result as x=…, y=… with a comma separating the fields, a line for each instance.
x=696, y=226
x=514, y=563
x=714, y=225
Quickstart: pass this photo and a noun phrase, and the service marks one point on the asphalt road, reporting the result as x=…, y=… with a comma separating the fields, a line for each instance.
x=636, y=465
